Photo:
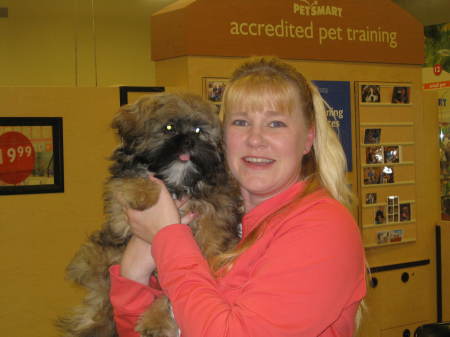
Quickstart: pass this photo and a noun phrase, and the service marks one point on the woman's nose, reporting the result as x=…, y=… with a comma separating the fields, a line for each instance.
x=256, y=136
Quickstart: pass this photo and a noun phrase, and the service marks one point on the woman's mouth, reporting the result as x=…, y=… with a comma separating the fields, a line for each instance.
x=257, y=161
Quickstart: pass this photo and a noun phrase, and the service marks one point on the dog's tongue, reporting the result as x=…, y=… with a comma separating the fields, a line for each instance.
x=184, y=157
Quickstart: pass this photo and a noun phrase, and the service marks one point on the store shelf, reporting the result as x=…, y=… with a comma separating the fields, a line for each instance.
x=411, y=182
x=388, y=144
x=387, y=104
x=376, y=245
x=389, y=224
x=388, y=164
x=393, y=124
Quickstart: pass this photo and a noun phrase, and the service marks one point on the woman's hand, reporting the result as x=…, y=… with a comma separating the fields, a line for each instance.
x=137, y=262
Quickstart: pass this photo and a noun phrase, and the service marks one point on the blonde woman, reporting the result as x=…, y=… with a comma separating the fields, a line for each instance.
x=299, y=268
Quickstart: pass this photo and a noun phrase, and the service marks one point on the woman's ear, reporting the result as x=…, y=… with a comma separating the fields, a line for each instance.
x=310, y=139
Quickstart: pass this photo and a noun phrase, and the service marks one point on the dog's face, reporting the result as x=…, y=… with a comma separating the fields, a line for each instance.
x=176, y=136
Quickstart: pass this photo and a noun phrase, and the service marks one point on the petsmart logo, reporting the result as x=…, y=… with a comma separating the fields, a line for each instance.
x=305, y=8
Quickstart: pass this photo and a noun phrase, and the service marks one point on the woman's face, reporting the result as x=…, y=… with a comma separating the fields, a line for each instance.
x=264, y=150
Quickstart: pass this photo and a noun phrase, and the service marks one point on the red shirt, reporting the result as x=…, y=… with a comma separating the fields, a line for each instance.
x=304, y=277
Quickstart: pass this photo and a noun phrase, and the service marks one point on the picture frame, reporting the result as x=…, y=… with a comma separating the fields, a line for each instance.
x=372, y=175
x=214, y=88
x=374, y=154
x=372, y=136
x=396, y=235
x=129, y=94
x=379, y=215
x=370, y=93
x=392, y=209
x=400, y=95
x=31, y=155
x=387, y=175
x=405, y=212
x=392, y=154
x=392, y=236
x=371, y=198
x=382, y=237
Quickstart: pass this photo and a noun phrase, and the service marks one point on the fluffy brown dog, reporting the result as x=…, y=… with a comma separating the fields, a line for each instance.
x=179, y=138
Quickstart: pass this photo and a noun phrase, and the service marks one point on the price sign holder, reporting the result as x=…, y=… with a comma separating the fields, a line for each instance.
x=31, y=155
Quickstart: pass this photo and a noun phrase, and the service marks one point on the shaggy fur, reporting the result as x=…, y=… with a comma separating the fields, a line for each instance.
x=178, y=137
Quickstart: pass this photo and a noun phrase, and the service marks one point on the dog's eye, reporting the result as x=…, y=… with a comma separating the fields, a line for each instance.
x=197, y=130
x=169, y=128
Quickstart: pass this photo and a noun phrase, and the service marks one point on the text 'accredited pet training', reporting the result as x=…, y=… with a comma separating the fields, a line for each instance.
x=285, y=29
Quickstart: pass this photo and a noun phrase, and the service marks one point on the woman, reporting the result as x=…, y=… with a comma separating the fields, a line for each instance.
x=299, y=268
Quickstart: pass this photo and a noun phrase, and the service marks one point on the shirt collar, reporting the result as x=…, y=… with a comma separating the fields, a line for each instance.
x=269, y=206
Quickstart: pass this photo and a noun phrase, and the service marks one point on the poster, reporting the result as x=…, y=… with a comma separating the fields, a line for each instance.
x=337, y=95
x=436, y=72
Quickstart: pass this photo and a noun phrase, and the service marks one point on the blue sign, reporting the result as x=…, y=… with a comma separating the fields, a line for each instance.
x=337, y=95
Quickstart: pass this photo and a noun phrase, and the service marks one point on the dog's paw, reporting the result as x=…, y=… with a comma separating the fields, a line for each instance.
x=158, y=328
x=158, y=333
x=136, y=193
x=157, y=321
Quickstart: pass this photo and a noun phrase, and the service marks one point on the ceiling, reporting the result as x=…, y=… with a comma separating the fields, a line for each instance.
x=428, y=12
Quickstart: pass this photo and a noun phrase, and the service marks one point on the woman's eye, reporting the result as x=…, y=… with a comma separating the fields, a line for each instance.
x=277, y=124
x=197, y=130
x=239, y=122
x=169, y=128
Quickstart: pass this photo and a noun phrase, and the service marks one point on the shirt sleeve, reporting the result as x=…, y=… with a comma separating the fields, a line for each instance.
x=309, y=275
x=129, y=300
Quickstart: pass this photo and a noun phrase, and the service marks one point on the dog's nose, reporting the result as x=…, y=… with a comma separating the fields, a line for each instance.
x=188, y=141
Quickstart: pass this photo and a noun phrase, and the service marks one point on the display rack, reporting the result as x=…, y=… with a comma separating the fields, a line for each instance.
x=386, y=163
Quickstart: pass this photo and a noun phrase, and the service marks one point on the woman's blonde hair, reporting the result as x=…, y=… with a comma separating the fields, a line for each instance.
x=268, y=80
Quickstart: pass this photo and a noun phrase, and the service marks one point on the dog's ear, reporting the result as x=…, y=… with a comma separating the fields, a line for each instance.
x=125, y=120
x=128, y=120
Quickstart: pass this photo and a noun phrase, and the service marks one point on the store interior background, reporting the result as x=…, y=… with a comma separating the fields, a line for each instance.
x=67, y=58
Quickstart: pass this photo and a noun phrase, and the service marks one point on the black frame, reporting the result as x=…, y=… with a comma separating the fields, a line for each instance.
x=58, y=166
x=123, y=92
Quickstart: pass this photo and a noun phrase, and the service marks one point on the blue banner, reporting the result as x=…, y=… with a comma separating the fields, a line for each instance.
x=337, y=95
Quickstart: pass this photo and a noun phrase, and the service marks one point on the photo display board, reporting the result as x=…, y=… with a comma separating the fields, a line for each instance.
x=386, y=163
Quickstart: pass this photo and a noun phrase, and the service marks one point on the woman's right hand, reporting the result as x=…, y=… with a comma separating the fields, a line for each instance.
x=137, y=262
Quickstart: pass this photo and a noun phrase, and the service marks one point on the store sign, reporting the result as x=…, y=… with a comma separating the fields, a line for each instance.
x=337, y=96
x=306, y=8
x=344, y=30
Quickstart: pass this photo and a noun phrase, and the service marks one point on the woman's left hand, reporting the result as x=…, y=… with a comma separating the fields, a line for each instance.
x=145, y=224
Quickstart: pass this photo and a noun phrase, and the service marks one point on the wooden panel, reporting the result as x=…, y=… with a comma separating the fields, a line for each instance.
x=402, y=331
x=397, y=303
x=445, y=260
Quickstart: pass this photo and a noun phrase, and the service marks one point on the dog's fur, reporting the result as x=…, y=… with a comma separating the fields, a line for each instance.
x=155, y=131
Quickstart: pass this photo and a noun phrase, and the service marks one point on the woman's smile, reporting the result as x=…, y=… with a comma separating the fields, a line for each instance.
x=258, y=162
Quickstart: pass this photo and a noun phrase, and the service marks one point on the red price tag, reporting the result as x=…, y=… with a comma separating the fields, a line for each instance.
x=437, y=69
x=17, y=157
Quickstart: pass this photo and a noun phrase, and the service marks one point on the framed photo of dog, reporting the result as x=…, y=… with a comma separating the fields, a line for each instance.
x=31, y=155
x=384, y=94
x=213, y=90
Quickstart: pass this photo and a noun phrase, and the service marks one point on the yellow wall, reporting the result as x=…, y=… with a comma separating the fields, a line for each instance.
x=39, y=233
x=76, y=43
